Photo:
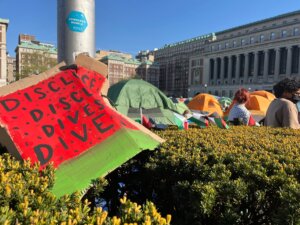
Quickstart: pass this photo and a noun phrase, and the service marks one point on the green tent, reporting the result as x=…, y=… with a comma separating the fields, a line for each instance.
x=225, y=102
x=135, y=97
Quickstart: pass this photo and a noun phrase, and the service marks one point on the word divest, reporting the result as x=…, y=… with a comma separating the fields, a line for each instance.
x=60, y=117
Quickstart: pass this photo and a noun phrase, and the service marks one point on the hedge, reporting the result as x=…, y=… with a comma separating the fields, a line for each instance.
x=244, y=175
x=25, y=198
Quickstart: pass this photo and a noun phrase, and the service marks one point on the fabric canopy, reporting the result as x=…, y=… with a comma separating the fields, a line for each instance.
x=136, y=97
x=205, y=103
x=258, y=103
x=265, y=94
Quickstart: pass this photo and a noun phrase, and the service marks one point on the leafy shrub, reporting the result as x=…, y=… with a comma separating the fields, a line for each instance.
x=25, y=199
x=244, y=175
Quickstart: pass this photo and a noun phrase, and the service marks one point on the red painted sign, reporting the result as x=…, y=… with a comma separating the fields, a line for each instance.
x=60, y=117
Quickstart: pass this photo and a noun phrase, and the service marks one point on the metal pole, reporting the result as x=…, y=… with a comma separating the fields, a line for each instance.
x=75, y=29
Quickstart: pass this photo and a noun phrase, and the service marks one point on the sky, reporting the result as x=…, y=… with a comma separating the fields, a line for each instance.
x=133, y=25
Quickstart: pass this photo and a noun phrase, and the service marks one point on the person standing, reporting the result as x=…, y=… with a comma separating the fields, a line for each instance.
x=282, y=111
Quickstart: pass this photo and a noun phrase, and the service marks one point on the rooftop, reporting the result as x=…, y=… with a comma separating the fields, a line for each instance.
x=38, y=46
x=121, y=59
x=207, y=36
x=260, y=21
x=6, y=21
x=202, y=37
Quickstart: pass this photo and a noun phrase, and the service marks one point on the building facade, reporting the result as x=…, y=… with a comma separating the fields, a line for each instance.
x=175, y=61
x=254, y=56
x=149, y=71
x=103, y=53
x=3, y=49
x=11, y=69
x=120, y=67
x=33, y=57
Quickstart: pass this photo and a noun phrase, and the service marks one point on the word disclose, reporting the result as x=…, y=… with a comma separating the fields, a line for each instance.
x=60, y=117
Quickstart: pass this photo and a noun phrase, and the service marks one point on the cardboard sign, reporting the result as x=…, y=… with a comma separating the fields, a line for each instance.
x=60, y=117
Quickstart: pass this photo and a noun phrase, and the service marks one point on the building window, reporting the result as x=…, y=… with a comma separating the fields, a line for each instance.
x=193, y=63
x=261, y=60
x=271, y=66
x=272, y=36
x=196, y=76
x=243, y=42
x=252, y=40
x=219, y=46
x=226, y=45
x=295, y=59
x=296, y=31
x=201, y=62
x=212, y=48
x=283, y=61
x=283, y=33
x=234, y=43
x=262, y=38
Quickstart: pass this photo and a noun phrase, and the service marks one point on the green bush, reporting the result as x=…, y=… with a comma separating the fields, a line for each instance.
x=25, y=199
x=244, y=175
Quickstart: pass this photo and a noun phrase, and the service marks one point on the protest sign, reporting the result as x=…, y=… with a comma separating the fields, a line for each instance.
x=64, y=119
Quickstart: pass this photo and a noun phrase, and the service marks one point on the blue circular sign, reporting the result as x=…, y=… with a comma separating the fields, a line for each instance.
x=76, y=21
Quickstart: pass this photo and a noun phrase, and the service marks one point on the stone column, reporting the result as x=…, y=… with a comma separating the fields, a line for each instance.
x=255, y=66
x=215, y=71
x=266, y=66
x=289, y=61
x=230, y=67
x=277, y=63
x=246, y=71
x=237, y=71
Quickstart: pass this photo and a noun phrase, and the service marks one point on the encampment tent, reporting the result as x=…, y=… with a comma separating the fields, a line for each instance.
x=266, y=94
x=258, y=104
x=205, y=103
x=135, y=97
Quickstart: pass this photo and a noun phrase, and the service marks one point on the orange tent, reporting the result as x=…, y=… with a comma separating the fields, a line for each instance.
x=265, y=94
x=258, y=103
x=205, y=103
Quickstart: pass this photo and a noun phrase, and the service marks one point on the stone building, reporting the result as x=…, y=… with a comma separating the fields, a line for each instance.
x=11, y=69
x=3, y=51
x=254, y=56
x=149, y=71
x=176, y=64
x=120, y=67
x=102, y=53
x=34, y=57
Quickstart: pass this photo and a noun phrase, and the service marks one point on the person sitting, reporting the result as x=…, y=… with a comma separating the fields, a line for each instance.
x=239, y=114
x=187, y=114
x=282, y=111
